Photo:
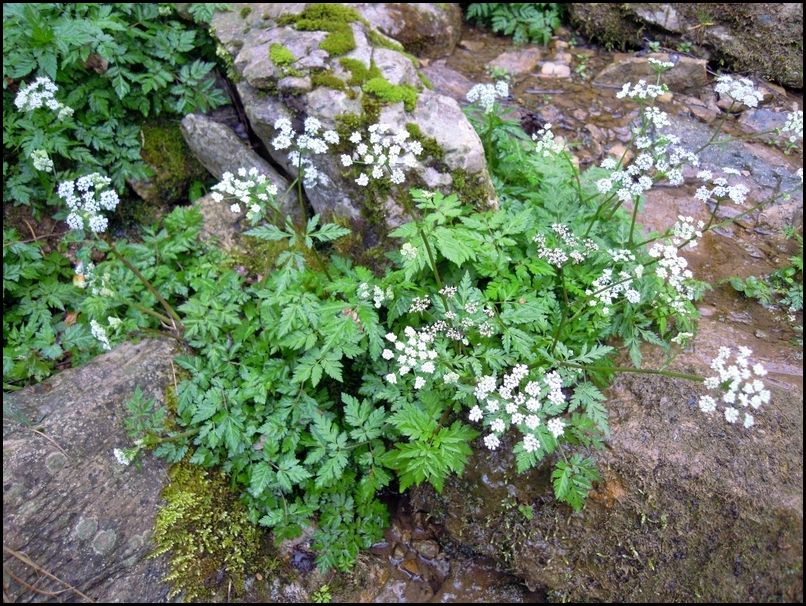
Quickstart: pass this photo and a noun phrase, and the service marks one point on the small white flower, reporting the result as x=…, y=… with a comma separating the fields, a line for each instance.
x=391, y=378
x=556, y=426
x=475, y=414
x=491, y=441
x=388, y=354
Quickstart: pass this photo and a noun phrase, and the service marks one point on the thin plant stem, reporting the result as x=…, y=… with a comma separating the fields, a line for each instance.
x=175, y=321
x=638, y=371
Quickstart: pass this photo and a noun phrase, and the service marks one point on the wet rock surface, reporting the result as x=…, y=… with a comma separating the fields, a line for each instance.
x=70, y=511
x=764, y=38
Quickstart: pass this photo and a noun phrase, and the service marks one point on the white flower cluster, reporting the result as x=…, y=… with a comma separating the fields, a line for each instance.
x=794, y=125
x=642, y=90
x=388, y=152
x=41, y=160
x=123, y=456
x=310, y=142
x=571, y=247
x=740, y=384
x=660, y=66
x=86, y=197
x=408, y=252
x=605, y=290
x=250, y=188
x=547, y=144
x=505, y=405
x=660, y=158
x=672, y=268
x=41, y=93
x=685, y=230
x=740, y=90
x=721, y=189
x=486, y=94
x=414, y=354
x=379, y=296
x=99, y=332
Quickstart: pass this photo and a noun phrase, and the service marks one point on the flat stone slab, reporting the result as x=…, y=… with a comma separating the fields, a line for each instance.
x=75, y=521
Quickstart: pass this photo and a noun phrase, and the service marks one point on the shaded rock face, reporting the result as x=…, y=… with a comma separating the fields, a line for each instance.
x=689, y=508
x=269, y=91
x=68, y=505
x=426, y=30
x=765, y=39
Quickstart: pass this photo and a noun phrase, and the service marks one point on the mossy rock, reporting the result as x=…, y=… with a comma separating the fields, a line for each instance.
x=175, y=168
x=205, y=531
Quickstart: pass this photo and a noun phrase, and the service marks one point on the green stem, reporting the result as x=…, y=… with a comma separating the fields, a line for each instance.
x=178, y=436
x=719, y=126
x=175, y=321
x=637, y=371
x=636, y=204
x=559, y=328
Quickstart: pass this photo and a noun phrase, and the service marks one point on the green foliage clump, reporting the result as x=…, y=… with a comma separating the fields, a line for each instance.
x=387, y=92
x=332, y=18
x=114, y=64
x=40, y=305
x=205, y=530
x=524, y=22
x=280, y=55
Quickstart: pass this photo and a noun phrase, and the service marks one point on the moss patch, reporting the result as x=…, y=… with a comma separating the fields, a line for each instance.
x=280, y=55
x=472, y=189
x=246, y=11
x=174, y=166
x=332, y=18
x=329, y=80
x=387, y=92
x=205, y=530
x=431, y=149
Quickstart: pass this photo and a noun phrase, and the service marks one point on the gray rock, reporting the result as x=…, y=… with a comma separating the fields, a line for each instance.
x=220, y=150
x=437, y=116
x=688, y=507
x=447, y=81
x=68, y=506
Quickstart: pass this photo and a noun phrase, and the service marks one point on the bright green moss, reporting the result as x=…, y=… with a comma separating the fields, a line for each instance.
x=205, y=529
x=387, y=92
x=424, y=80
x=359, y=73
x=175, y=167
x=328, y=79
x=280, y=55
x=332, y=18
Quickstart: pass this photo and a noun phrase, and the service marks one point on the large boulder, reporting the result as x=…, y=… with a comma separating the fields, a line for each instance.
x=764, y=38
x=329, y=85
x=689, y=508
x=75, y=521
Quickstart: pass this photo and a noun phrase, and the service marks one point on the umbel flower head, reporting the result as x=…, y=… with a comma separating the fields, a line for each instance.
x=86, y=197
x=385, y=152
x=740, y=384
x=312, y=141
x=251, y=188
x=41, y=94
